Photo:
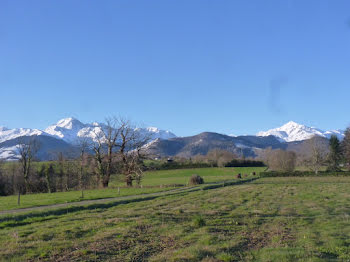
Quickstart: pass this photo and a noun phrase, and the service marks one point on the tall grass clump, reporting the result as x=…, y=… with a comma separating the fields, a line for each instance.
x=198, y=222
x=196, y=180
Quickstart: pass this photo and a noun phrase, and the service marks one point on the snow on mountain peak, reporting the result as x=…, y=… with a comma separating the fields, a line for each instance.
x=155, y=133
x=71, y=129
x=292, y=124
x=293, y=131
x=69, y=123
x=66, y=129
x=7, y=134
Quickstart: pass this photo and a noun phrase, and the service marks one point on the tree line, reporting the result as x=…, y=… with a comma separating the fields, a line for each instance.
x=116, y=148
x=315, y=154
x=119, y=148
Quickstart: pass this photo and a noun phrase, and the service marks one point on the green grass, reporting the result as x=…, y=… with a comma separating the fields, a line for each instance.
x=270, y=219
x=182, y=176
x=33, y=200
x=158, y=180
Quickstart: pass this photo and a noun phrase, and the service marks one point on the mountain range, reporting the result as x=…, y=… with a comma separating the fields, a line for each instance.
x=64, y=136
x=202, y=143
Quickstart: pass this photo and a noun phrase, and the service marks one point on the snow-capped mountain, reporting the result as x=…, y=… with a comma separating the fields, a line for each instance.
x=156, y=133
x=71, y=129
x=66, y=129
x=8, y=134
x=65, y=133
x=293, y=131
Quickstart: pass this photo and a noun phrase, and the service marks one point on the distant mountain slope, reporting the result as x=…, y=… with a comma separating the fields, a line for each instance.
x=204, y=142
x=293, y=131
x=8, y=134
x=303, y=147
x=48, y=148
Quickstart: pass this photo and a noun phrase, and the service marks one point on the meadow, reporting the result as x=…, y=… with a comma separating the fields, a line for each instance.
x=182, y=176
x=153, y=181
x=268, y=219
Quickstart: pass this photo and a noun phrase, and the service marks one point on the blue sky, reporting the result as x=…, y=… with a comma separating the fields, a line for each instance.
x=187, y=66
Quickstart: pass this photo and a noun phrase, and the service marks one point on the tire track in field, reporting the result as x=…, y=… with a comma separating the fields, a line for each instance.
x=98, y=203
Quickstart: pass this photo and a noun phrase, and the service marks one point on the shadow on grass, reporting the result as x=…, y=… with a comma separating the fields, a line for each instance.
x=18, y=220
x=229, y=183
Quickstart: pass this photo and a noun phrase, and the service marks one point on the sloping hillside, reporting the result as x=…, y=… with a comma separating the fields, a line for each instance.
x=204, y=142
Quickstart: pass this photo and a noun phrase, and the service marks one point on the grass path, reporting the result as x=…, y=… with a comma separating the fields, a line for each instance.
x=153, y=181
x=95, y=201
x=123, y=198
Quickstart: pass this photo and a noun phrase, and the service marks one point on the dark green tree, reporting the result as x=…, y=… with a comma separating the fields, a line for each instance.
x=335, y=154
x=346, y=147
x=49, y=174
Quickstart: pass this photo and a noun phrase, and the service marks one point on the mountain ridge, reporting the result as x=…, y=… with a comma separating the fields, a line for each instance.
x=68, y=130
x=202, y=143
x=163, y=142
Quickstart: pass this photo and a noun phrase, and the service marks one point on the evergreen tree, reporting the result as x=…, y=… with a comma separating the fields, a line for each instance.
x=346, y=146
x=334, y=156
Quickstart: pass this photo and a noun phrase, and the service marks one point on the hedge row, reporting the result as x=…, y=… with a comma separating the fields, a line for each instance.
x=303, y=174
x=176, y=165
x=244, y=163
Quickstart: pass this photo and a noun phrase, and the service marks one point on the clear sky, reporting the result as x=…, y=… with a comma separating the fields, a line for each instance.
x=184, y=65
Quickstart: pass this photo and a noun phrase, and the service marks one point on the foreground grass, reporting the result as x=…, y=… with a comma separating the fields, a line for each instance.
x=158, y=180
x=270, y=219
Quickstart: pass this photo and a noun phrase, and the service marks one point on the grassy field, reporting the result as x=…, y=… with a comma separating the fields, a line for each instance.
x=181, y=176
x=158, y=180
x=32, y=200
x=270, y=219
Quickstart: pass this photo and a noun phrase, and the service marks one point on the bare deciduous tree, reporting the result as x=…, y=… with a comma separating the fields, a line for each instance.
x=315, y=153
x=99, y=155
x=83, y=144
x=263, y=155
x=220, y=157
x=130, y=151
x=280, y=160
x=27, y=150
x=118, y=140
x=105, y=142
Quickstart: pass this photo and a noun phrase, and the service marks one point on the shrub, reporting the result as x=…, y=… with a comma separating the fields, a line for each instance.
x=199, y=221
x=196, y=180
